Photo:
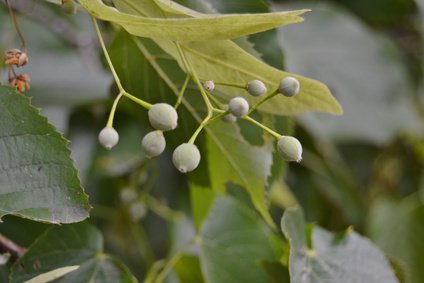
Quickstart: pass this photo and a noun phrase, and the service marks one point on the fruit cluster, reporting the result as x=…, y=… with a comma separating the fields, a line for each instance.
x=163, y=117
x=186, y=157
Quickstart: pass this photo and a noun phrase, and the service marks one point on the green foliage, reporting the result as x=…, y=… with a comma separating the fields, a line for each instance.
x=216, y=223
x=38, y=178
x=320, y=256
x=233, y=242
x=69, y=245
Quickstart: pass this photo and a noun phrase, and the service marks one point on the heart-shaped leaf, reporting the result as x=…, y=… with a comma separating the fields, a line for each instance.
x=37, y=177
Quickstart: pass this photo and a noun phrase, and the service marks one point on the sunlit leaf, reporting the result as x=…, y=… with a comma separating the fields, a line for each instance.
x=207, y=27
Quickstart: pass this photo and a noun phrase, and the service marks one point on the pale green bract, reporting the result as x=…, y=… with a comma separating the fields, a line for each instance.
x=207, y=27
x=224, y=60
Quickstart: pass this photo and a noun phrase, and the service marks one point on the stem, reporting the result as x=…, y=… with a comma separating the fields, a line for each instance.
x=174, y=259
x=137, y=100
x=181, y=93
x=109, y=61
x=196, y=79
x=215, y=100
x=7, y=246
x=253, y=121
x=205, y=122
x=259, y=103
x=15, y=23
x=230, y=84
x=112, y=111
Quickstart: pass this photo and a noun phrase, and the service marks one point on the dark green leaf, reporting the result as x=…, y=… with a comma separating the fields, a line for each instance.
x=38, y=179
x=233, y=244
x=69, y=245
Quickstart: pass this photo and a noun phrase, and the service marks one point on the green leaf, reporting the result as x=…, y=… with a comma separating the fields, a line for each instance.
x=206, y=27
x=77, y=244
x=38, y=179
x=232, y=159
x=188, y=269
x=398, y=229
x=234, y=242
x=346, y=257
x=201, y=202
x=225, y=61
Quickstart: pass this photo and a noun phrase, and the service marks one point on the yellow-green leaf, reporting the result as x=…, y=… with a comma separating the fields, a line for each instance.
x=207, y=27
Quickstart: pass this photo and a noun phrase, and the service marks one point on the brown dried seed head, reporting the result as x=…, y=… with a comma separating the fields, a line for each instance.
x=21, y=82
x=15, y=57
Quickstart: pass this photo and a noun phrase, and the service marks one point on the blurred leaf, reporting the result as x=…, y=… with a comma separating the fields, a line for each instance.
x=77, y=244
x=211, y=61
x=346, y=257
x=232, y=159
x=38, y=179
x=188, y=269
x=361, y=68
x=276, y=271
x=52, y=275
x=201, y=202
x=204, y=27
x=233, y=243
x=398, y=229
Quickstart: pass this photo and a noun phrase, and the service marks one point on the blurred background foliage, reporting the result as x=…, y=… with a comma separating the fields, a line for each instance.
x=363, y=169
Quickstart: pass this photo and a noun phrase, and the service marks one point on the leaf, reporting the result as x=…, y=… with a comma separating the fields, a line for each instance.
x=54, y=274
x=346, y=257
x=38, y=180
x=397, y=227
x=201, y=202
x=233, y=243
x=225, y=61
x=188, y=270
x=67, y=245
x=232, y=159
x=207, y=27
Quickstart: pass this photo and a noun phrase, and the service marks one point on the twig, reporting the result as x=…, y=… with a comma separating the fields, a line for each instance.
x=7, y=246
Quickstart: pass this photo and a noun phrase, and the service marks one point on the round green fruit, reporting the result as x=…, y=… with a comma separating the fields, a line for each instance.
x=290, y=149
x=108, y=137
x=289, y=86
x=163, y=116
x=238, y=106
x=186, y=157
x=153, y=144
x=256, y=88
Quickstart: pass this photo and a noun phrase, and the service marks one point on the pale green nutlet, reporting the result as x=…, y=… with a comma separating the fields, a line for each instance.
x=69, y=7
x=186, y=157
x=238, y=106
x=256, y=87
x=153, y=144
x=163, y=116
x=290, y=149
x=289, y=86
x=108, y=137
